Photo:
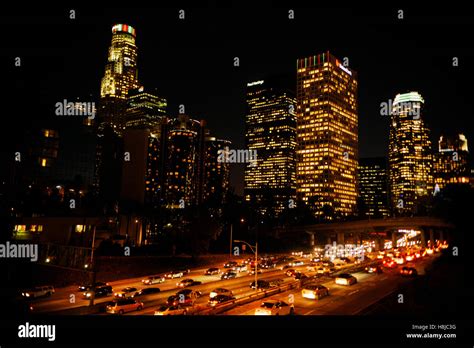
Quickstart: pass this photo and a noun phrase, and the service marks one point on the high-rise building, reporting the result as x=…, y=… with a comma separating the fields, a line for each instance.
x=144, y=109
x=372, y=180
x=270, y=181
x=410, y=159
x=120, y=77
x=184, y=139
x=216, y=174
x=451, y=164
x=327, y=135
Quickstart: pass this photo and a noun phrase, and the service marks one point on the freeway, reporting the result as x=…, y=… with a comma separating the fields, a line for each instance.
x=344, y=300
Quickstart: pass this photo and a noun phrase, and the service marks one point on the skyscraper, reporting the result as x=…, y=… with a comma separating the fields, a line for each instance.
x=182, y=164
x=144, y=109
x=372, y=180
x=216, y=174
x=410, y=159
x=270, y=123
x=451, y=161
x=327, y=135
x=120, y=77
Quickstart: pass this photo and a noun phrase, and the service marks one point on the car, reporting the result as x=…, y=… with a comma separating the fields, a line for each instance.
x=299, y=276
x=274, y=307
x=408, y=272
x=314, y=291
x=171, y=310
x=212, y=271
x=240, y=268
x=145, y=292
x=230, y=264
x=374, y=269
x=214, y=301
x=399, y=260
x=389, y=263
x=189, y=293
x=268, y=264
x=38, y=291
x=410, y=257
x=187, y=282
x=290, y=272
x=252, y=271
x=184, y=271
x=183, y=300
x=100, y=291
x=174, y=274
x=220, y=291
x=346, y=279
x=126, y=292
x=124, y=305
x=296, y=263
x=261, y=285
x=156, y=279
x=86, y=287
x=229, y=275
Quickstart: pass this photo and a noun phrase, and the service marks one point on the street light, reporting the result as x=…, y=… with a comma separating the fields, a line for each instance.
x=256, y=257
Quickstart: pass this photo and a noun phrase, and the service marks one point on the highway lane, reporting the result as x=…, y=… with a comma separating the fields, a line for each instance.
x=343, y=300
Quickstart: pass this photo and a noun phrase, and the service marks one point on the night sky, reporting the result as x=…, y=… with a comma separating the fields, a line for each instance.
x=191, y=62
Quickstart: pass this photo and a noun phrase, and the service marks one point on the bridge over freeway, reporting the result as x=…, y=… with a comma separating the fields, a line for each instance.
x=355, y=232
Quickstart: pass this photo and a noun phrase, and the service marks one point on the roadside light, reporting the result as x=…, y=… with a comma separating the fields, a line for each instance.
x=86, y=266
x=48, y=260
x=242, y=220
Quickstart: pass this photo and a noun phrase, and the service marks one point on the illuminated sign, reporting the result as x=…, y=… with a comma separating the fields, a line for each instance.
x=124, y=28
x=250, y=84
x=344, y=68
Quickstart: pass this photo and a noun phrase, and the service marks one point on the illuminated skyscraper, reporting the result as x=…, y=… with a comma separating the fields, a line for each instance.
x=270, y=182
x=182, y=164
x=410, y=159
x=327, y=135
x=451, y=161
x=144, y=109
x=373, y=187
x=120, y=77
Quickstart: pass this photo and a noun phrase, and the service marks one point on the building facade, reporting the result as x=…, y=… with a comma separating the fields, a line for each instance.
x=270, y=181
x=451, y=161
x=410, y=157
x=327, y=136
x=373, y=187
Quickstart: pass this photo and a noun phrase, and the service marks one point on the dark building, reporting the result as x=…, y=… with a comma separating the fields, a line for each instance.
x=372, y=178
x=451, y=161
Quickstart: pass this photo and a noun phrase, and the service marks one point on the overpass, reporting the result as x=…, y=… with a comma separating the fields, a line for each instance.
x=355, y=232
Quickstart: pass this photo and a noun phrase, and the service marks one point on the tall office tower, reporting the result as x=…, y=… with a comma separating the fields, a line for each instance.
x=144, y=109
x=410, y=159
x=182, y=164
x=451, y=164
x=270, y=131
x=216, y=174
x=120, y=77
x=327, y=136
x=372, y=180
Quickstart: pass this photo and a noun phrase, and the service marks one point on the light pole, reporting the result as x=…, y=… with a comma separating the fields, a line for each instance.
x=256, y=257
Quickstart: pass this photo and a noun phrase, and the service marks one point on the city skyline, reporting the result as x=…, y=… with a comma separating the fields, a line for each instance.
x=374, y=145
